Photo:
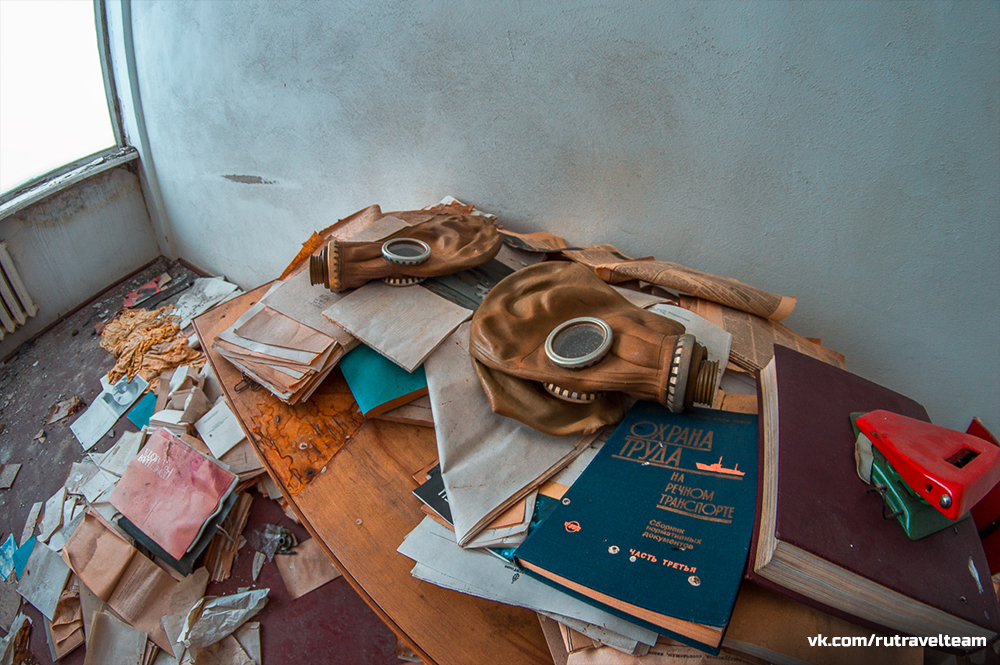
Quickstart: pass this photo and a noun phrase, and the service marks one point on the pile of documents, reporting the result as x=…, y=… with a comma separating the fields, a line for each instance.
x=283, y=343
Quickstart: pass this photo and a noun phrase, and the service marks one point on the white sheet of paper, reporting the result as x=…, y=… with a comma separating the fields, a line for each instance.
x=43, y=579
x=489, y=576
x=107, y=408
x=116, y=459
x=487, y=460
x=204, y=294
x=219, y=429
x=404, y=324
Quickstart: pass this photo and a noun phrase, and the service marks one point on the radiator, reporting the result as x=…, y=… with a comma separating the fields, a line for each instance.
x=15, y=303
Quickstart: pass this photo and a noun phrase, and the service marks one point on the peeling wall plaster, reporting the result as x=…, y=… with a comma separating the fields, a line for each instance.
x=847, y=153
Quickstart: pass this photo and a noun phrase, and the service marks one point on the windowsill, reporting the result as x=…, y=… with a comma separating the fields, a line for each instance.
x=59, y=179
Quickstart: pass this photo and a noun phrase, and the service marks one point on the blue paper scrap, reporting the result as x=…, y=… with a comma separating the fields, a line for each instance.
x=21, y=556
x=143, y=411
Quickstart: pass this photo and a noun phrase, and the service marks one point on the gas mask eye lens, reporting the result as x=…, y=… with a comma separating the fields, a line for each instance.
x=406, y=251
x=578, y=343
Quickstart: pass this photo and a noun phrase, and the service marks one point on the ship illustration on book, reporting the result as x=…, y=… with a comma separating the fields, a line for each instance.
x=718, y=468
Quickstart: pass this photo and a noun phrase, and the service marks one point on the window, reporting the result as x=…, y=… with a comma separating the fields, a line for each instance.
x=53, y=105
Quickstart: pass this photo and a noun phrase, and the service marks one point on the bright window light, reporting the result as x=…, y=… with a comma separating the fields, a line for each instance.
x=53, y=109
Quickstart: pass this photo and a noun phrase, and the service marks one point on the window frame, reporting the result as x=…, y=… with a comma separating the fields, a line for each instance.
x=67, y=175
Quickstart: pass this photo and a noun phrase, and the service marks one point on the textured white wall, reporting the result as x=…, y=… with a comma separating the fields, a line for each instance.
x=846, y=153
x=74, y=244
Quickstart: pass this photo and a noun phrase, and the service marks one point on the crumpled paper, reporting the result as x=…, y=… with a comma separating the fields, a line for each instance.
x=211, y=619
x=146, y=343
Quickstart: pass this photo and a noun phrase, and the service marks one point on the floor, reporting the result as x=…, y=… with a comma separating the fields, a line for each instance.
x=330, y=625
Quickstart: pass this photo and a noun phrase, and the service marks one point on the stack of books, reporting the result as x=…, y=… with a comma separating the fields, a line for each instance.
x=284, y=355
x=170, y=497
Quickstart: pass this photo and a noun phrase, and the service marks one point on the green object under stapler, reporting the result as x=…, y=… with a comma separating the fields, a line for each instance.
x=917, y=517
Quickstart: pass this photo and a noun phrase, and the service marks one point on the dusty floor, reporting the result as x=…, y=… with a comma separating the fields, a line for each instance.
x=330, y=625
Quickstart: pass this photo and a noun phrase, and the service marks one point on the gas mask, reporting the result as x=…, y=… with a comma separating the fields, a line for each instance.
x=558, y=349
x=448, y=243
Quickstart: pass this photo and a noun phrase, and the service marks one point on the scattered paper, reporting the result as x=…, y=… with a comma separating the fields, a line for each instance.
x=66, y=407
x=8, y=472
x=242, y=459
x=7, y=557
x=441, y=562
x=298, y=299
x=21, y=556
x=259, y=559
x=478, y=448
x=226, y=651
x=90, y=604
x=146, y=291
x=65, y=632
x=29, y=523
x=134, y=587
x=141, y=412
x=10, y=604
x=118, y=457
x=79, y=474
x=308, y=569
x=53, y=516
x=43, y=580
x=113, y=641
x=21, y=621
x=248, y=635
x=219, y=429
x=403, y=324
x=109, y=406
x=204, y=294
x=184, y=596
x=72, y=516
x=211, y=619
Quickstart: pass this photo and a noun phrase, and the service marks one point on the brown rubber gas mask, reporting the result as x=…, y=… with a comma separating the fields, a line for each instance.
x=558, y=349
x=446, y=244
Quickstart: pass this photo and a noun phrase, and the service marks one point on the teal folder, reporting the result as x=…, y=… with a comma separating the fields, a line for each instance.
x=378, y=384
x=657, y=527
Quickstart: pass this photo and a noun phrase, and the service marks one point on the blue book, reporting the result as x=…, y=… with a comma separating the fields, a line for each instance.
x=657, y=528
x=377, y=383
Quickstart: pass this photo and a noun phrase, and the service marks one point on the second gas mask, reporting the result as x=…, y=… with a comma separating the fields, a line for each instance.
x=558, y=349
x=448, y=243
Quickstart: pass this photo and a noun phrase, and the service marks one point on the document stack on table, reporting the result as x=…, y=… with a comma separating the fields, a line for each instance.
x=287, y=355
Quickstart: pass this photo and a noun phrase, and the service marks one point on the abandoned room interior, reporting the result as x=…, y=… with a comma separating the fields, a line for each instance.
x=836, y=164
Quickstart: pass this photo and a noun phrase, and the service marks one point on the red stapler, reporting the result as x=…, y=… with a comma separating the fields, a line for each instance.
x=950, y=470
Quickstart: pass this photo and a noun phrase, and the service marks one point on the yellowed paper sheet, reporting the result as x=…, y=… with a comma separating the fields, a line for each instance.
x=304, y=302
x=550, y=628
x=271, y=327
x=754, y=337
x=418, y=412
x=114, y=642
x=613, y=267
x=308, y=569
x=132, y=585
x=404, y=324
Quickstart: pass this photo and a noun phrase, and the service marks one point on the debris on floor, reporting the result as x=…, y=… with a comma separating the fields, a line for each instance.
x=8, y=472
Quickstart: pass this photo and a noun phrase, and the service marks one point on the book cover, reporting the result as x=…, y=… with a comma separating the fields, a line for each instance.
x=822, y=538
x=186, y=564
x=170, y=491
x=434, y=495
x=377, y=383
x=657, y=527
